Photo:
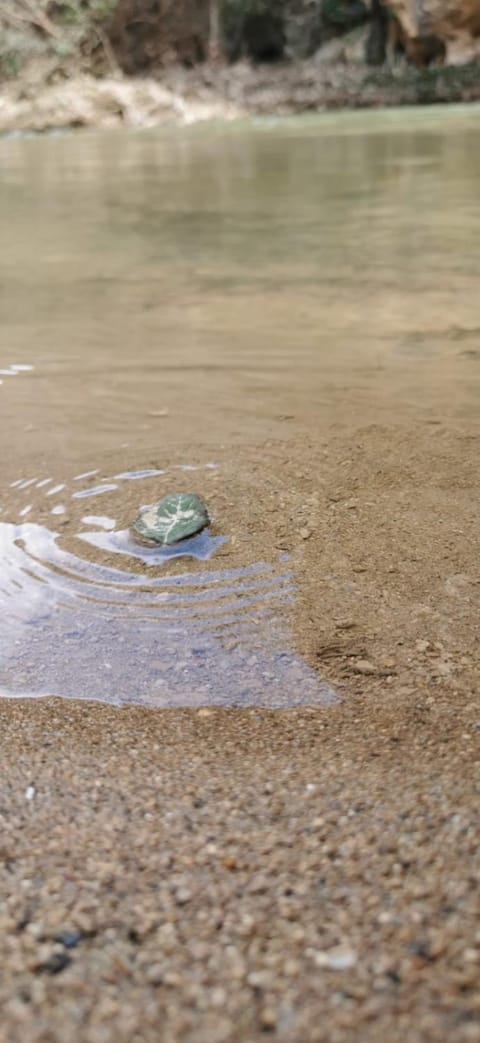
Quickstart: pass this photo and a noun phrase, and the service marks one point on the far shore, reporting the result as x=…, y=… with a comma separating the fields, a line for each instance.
x=35, y=103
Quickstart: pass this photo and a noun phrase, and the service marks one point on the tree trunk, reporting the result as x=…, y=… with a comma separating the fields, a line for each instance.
x=215, y=48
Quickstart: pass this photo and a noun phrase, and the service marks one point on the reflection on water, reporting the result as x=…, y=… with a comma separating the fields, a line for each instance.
x=201, y=546
x=203, y=283
x=14, y=369
x=81, y=627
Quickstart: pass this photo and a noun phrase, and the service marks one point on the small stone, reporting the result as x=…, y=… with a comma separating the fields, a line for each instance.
x=259, y=980
x=155, y=974
x=183, y=896
x=339, y=958
x=54, y=963
x=175, y=517
x=172, y=980
x=364, y=666
x=70, y=939
x=218, y=997
x=305, y=533
x=422, y=646
x=292, y=968
x=267, y=1018
x=443, y=668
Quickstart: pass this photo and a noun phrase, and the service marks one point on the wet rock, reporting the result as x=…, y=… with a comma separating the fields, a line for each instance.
x=175, y=517
x=433, y=27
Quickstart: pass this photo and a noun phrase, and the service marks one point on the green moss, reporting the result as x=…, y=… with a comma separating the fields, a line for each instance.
x=343, y=15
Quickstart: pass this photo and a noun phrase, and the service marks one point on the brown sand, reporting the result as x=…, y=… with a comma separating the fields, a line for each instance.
x=304, y=875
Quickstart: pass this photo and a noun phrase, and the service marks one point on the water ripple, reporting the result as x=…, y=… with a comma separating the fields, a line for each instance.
x=141, y=632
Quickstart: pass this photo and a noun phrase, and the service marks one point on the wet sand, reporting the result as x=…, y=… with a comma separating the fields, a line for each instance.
x=215, y=875
x=303, y=875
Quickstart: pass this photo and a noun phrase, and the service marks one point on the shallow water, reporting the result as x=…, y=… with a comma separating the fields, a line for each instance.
x=209, y=286
x=82, y=627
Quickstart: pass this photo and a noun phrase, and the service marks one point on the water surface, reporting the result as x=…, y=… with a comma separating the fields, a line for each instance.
x=210, y=286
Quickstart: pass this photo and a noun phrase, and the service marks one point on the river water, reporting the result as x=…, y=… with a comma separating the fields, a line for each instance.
x=168, y=298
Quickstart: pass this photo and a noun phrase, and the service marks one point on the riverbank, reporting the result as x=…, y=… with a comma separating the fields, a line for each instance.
x=103, y=63
x=40, y=101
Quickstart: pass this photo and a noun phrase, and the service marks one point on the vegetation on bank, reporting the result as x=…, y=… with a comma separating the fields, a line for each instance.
x=50, y=33
x=143, y=36
x=257, y=55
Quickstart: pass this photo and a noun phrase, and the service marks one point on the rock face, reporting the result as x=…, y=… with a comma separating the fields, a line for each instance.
x=453, y=24
x=147, y=34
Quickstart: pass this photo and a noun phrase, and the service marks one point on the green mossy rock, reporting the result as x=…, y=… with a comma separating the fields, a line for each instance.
x=175, y=517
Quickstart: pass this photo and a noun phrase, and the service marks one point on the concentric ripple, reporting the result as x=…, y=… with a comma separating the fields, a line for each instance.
x=13, y=370
x=142, y=632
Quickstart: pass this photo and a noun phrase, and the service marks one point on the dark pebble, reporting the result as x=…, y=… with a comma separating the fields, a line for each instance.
x=55, y=963
x=69, y=939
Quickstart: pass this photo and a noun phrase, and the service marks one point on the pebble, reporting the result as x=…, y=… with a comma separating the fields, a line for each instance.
x=70, y=939
x=55, y=963
x=267, y=1018
x=305, y=533
x=218, y=997
x=155, y=974
x=172, y=980
x=339, y=958
x=364, y=666
x=183, y=895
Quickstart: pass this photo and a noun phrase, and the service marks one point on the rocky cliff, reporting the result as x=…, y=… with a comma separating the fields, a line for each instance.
x=453, y=24
x=149, y=34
